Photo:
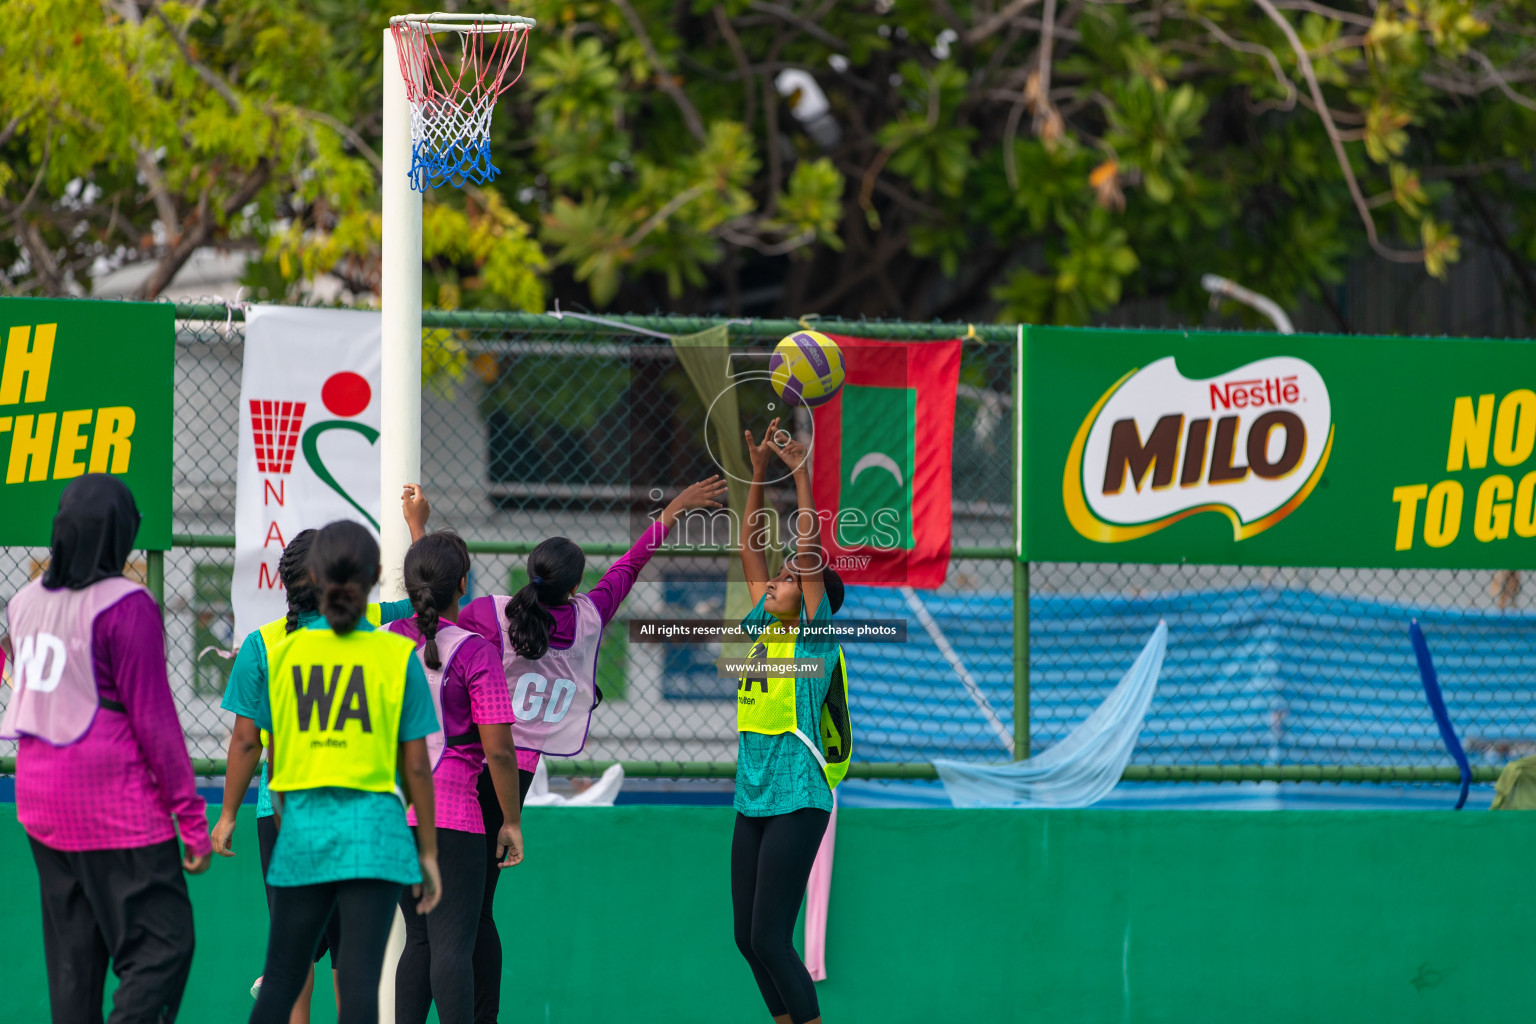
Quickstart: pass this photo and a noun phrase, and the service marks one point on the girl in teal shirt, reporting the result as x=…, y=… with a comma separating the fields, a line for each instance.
x=783, y=801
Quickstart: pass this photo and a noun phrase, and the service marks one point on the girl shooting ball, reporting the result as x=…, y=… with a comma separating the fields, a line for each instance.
x=546, y=637
x=795, y=737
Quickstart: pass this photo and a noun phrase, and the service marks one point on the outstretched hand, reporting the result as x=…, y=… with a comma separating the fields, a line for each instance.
x=793, y=454
x=704, y=494
x=762, y=454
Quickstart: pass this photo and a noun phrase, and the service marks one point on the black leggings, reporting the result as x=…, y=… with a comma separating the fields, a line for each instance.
x=771, y=862
x=487, y=939
x=438, y=963
x=123, y=909
x=366, y=910
x=266, y=842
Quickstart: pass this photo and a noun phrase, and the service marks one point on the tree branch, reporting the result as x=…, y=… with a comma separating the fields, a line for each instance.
x=997, y=21
x=340, y=128
x=663, y=77
x=810, y=28
x=207, y=74
x=1257, y=50
x=748, y=79
x=42, y=168
x=1502, y=83
x=1305, y=63
x=202, y=229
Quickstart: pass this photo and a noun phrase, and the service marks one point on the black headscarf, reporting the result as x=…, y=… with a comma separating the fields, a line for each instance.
x=92, y=533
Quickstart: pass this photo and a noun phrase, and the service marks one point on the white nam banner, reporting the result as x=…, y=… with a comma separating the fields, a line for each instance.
x=309, y=427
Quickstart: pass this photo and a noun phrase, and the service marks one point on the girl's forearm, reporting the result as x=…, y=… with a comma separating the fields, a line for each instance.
x=244, y=757
x=807, y=526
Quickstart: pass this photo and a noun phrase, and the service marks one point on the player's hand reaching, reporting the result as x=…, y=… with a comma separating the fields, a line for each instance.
x=762, y=454
x=793, y=453
x=704, y=494
x=413, y=503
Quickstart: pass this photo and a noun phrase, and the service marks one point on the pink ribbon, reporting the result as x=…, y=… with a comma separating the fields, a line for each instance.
x=817, y=893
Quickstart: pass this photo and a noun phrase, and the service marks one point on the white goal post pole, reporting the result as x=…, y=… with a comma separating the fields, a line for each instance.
x=400, y=299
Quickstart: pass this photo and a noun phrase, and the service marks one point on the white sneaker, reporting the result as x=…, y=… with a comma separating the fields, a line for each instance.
x=256, y=989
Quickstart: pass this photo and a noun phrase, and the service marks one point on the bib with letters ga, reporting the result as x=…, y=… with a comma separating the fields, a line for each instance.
x=336, y=703
x=766, y=704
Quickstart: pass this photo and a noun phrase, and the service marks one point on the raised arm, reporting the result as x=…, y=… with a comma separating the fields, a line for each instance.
x=754, y=524
x=616, y=583
x=414, y=505
x=808, y=560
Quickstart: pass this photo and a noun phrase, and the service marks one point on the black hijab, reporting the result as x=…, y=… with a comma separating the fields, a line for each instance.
x=92, y=533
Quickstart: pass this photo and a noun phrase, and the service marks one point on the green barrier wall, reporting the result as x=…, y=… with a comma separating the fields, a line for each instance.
x=1074, y=917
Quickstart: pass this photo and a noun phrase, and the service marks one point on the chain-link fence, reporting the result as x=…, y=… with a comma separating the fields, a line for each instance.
x=533, y=427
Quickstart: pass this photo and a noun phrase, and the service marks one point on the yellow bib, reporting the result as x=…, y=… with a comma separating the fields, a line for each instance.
x=276, y=631
x=336, y=703
x=767, y=706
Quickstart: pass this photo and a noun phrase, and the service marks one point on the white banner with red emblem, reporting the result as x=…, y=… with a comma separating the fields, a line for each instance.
x=309, y=430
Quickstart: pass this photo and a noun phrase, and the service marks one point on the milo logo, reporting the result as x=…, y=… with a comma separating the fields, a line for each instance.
x=1159, y=447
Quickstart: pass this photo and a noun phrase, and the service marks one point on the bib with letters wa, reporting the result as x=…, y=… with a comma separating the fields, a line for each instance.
x=767, y=705
x=276, y=631
x=336, y=704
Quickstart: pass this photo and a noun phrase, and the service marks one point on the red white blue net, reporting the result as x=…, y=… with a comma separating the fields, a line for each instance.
x=453, y=94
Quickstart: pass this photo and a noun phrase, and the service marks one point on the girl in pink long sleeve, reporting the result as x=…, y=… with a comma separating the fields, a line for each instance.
x=103, y=780
x=547, y=636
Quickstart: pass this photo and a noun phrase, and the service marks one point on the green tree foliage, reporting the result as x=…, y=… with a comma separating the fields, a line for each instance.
x=1031, y=159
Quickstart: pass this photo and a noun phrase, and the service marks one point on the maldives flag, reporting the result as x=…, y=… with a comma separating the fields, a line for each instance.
x=882, y=463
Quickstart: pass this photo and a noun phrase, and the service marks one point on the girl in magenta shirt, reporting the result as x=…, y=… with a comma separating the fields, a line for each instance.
x=476, y=714
x=103, y=800
x=540, y=618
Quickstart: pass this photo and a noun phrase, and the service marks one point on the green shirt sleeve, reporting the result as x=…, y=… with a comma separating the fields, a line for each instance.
x=247, y=678
x=390, y=611
x=418, y=719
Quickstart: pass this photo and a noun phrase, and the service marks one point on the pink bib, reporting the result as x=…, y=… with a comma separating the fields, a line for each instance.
x=54, y=675
x=553, y=696
x=449, y=639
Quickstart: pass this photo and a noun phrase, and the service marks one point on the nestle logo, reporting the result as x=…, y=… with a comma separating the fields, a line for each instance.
x=1255, y=394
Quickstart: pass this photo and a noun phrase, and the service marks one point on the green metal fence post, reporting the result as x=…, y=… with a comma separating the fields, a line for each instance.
x=1020, y=660
x=154, y=575
x=1020, y=565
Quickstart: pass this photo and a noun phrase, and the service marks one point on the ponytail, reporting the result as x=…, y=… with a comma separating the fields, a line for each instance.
x=426, y=621
x=434, y=565
x=293, y=570
x=344, y=565
x=555, y=569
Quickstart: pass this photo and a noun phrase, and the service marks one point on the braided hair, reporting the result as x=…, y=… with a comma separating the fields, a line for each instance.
x=433, y=568
x=554, y=570
x=293, y=570
x=343, y=566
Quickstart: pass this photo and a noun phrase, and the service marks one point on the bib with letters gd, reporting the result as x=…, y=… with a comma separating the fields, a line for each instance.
x=336, y=703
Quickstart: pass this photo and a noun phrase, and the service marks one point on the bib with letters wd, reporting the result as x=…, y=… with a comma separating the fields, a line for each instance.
x=767, y=705
x=336, y=703
x=55, y=696
x=449, y=639
x=553, y=696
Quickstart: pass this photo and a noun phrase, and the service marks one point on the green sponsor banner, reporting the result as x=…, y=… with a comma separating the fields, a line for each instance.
x=1255, y=449
x=85, y=387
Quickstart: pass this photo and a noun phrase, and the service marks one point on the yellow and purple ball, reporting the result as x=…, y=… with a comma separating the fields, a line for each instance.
x=806, y=368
